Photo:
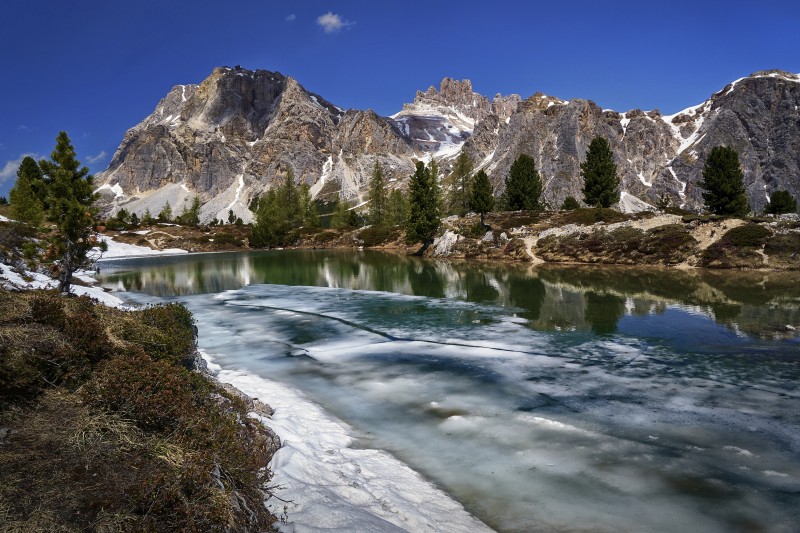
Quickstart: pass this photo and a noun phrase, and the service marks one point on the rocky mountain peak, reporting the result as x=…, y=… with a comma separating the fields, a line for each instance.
x=539, y=102
x=452, y=98
x=232, y=136
x=505, y=106
x=775, y=73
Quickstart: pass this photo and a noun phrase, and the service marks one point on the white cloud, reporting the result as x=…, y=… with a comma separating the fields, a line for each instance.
x=9, y=170
x=291, y=17
x=331, y=22
x=92, y=159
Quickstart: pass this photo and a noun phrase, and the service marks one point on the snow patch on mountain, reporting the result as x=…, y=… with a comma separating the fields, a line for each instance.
x=116, y=189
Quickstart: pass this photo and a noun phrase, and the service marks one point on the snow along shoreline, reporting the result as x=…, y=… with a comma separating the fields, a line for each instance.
x=29, y=280
x=326, y=484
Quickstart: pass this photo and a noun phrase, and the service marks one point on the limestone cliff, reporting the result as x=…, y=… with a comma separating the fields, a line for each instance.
x=233, y=135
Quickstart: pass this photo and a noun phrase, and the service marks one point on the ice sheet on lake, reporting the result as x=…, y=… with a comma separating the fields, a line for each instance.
x=333, y=487
x=528, y=430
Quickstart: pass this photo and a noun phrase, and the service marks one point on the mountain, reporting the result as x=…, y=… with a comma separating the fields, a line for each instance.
x=231, y=137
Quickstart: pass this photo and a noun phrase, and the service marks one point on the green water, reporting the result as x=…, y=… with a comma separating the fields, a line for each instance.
x=551, y=298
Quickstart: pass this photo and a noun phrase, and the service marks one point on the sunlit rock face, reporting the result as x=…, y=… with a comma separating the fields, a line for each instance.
x=234, y=135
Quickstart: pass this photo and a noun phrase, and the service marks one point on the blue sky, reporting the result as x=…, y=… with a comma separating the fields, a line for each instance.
x=96, y=68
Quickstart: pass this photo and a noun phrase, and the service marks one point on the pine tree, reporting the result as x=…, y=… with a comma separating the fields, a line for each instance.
x=231, y=216
x=283, y=210
x=70, y=200
x=341, y=215
x=268, y=230
x=25, y=203
x=781, y=202
x=461, y=177
x=36, y=179
x=599, y=172
x=424, y=204
x=308, y=207
x=291, y=201
x=397, y=209
x=377, y=197
x=523, y=187
x=165, y=215
x=570, y=203
x=147, y=218
x=723, y=182
x=191, y=216
x=123, y=215
x=481, y=199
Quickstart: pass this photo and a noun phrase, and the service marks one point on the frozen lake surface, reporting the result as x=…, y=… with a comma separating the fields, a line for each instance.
x=549, y=399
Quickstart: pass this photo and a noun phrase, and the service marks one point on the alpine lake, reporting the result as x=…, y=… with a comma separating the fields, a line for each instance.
x=546, y=398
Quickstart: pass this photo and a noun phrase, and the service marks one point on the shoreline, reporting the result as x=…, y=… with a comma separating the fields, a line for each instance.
x=324, y=482
x=665, y=240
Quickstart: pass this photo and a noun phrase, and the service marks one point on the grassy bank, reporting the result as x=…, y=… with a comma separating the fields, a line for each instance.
x=104, y=427
x=586, y=235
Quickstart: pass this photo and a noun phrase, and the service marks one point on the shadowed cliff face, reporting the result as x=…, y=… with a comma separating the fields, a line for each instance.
x=231, y=137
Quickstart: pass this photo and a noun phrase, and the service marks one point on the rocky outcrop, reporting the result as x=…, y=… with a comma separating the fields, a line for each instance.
x=656, y=155
x=757, y=116
x=231, y=137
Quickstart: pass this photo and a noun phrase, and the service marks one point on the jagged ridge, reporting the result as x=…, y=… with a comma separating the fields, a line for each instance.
x=230, y=137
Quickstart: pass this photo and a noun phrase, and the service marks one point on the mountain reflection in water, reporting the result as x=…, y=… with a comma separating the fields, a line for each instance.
x=549, y=297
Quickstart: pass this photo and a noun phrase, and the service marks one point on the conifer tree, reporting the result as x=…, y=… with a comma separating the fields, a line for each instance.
x=341, y=215
x=37, y=181
x=377, y=197
x=70, y=200
x=147, y=218
x=191, y=216
x=165, y=215
x=523, y=187
x=397, y=209
x=781, y=202
x=599, y=172
x=308, y=207
x=723, y=182
x=231, y=216
x=123, y=215
x=25, y=203
x=570, y=203
x=424, y=204
x=268, y=229
x=481, y=199
x=283, y=209
x=461, y=176
x=290, y=199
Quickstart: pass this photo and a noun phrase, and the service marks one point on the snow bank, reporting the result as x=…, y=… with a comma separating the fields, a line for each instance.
x=35, y=280
x=120, y=249
x=333, y=487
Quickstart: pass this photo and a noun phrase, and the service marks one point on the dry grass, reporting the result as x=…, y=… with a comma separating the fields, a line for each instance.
x=110, y=432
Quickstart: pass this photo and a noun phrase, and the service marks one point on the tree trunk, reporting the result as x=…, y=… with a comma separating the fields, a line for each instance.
x=67, y=268
x=425, y=245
